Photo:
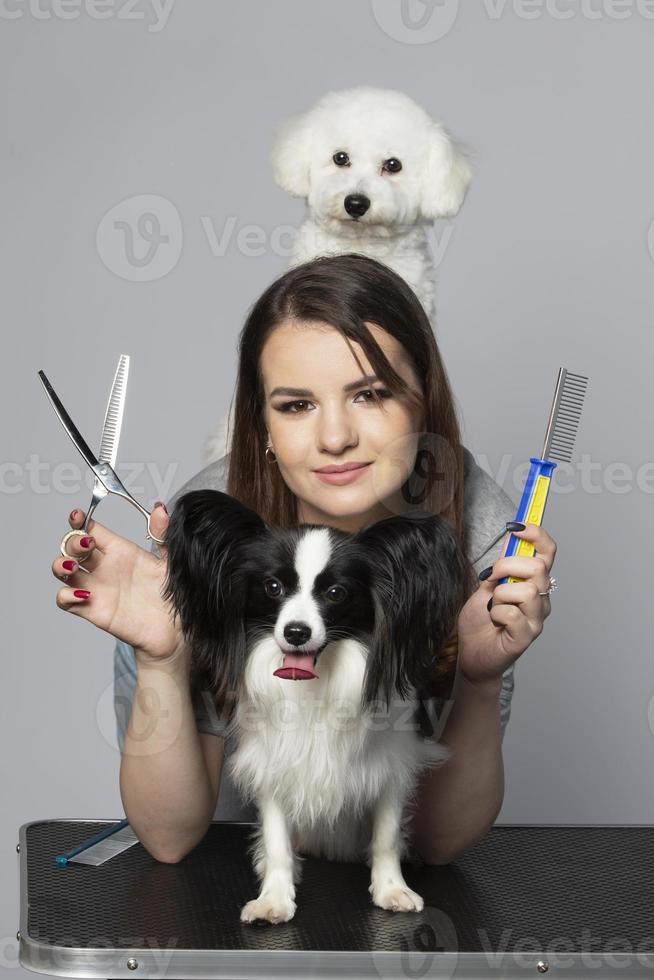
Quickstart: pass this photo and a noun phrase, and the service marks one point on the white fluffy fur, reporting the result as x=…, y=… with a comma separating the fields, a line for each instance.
x=371, y=125
x=327, y=781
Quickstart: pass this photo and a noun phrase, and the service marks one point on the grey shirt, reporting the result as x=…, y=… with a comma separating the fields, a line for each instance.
x=487, y=508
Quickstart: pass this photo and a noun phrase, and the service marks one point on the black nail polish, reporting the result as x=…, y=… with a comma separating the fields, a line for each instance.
x=490, y=603
x=515, y=526
x=485, y=573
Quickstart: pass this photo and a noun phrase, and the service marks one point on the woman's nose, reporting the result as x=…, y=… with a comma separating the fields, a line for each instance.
x=336, y=431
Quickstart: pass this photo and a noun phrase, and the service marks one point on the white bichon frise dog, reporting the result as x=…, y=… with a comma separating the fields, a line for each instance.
x=375, y=169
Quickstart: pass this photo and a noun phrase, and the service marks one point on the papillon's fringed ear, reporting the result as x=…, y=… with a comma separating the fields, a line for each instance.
x=419, y=581
x=205, y=540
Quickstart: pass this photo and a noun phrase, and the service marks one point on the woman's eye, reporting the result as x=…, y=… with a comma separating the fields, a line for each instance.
x=392, y=165
x=384, y=392
x=289, y=407
x=336, y=594
x=341, y=159
x=273, y=588
x=292, y=409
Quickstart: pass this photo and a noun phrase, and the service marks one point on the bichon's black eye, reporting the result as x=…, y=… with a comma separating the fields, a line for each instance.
x=341, y=159
x=336, y=593
x=392, y=165
x=273, y=588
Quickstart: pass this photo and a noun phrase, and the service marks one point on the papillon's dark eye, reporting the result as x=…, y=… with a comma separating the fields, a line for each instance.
x=341, y=159
x=336, y=593
x=273, y=588
x=392, y=165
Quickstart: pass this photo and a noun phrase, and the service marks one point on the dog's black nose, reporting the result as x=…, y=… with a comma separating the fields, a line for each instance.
x=356, y=204
x=297, y=633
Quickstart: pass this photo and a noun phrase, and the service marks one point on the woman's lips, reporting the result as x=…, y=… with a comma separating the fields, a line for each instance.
x=349, y=476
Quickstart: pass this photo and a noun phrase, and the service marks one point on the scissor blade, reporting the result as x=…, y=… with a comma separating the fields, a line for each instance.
x=67, y=422
x=113, y=418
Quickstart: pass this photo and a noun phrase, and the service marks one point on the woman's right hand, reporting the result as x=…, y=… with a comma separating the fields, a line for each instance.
x=125, y=586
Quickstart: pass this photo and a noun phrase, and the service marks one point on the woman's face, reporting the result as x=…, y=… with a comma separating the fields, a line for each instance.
x=325, y=425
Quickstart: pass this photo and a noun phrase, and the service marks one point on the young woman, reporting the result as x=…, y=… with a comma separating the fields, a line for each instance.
x=337, y=364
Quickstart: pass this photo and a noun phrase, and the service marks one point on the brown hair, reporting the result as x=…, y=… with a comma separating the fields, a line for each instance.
x=344, y=291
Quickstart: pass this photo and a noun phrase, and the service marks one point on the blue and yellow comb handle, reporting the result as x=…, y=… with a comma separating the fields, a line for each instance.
x=531, y=508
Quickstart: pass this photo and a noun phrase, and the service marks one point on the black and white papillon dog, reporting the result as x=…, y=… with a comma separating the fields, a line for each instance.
x=361, y=618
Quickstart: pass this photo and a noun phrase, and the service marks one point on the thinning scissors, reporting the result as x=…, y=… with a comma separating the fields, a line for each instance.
x=106, y=480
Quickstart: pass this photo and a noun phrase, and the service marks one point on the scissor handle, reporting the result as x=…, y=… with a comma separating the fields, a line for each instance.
x=84, y=530
x=153, y=536
x=99, y=493
x=108, y=482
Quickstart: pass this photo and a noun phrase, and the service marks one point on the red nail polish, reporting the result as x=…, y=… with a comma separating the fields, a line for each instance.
x=81, y=593
x=85, y=542
x=69, y=565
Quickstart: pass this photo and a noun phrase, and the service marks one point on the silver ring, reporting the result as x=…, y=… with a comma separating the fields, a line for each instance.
x=553, y=585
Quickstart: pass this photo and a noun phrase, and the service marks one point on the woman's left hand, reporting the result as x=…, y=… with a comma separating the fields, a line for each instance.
x=491, y=640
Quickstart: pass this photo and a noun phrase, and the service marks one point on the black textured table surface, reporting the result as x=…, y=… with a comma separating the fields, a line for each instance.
x=574, y=888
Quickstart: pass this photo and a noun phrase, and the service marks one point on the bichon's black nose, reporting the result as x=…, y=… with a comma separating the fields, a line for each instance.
x=356, y=204
x=297, y=633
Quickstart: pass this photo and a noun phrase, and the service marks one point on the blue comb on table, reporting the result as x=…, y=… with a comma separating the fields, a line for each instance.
x=100, y=848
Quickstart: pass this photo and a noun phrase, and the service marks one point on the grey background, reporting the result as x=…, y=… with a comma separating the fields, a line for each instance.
x=548, y=264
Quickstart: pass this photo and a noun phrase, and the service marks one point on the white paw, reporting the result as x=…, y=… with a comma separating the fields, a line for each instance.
x=273, y=908
x=397, y=898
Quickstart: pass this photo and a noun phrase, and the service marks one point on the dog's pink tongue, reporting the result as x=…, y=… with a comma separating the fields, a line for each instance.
x=296, y=667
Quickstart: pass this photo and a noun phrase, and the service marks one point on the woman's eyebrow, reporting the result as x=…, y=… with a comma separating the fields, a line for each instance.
x=305, y=393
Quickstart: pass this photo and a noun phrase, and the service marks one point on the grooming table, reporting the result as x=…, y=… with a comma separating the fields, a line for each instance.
x=568, y=901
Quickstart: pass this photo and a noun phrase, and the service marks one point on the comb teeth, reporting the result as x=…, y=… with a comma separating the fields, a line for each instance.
x=564, y=415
